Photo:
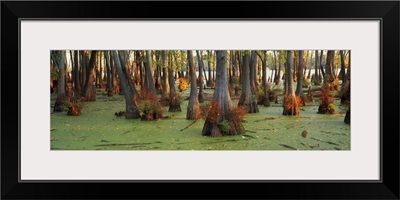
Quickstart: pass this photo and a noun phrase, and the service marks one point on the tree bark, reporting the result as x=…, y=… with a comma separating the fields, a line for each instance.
x=166, y=88
x=201, y=67
x=246, y=98
x=316, y=74
x=109, y=75
x=342, y=69
x=149, y=82
x=265, y=99
x=299, y=89
x=213, y=124
x=59, y=56
x=290, y=105
x=174, y=103
x=193, y=109
x=89, y=92
x=131, y=111
x=253, y=74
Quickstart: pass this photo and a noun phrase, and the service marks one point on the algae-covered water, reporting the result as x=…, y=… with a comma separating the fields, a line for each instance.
x=97, y=128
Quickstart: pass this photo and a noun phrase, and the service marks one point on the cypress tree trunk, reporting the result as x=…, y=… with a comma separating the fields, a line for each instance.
x=149, y=82
x=316, y=74
x=174, y=103
x=253, y=74
x=214, y=125
x=290, y=104
x=77, y=85
x=265, y=99
x=109, y=75
x=246, y=98
x=299, y=89
x=201, y=67
x=166, y=88
x=131, y=111
x=59, y=103
x=342, y=69
x=89, y=92
x=193, y=109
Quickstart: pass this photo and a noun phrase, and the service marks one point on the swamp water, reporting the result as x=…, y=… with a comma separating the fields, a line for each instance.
x=97, y=128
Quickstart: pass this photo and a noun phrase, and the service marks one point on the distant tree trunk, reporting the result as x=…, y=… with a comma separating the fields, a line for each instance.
x=201, y=67
x=290, y=104
x=59, y=103
x=157, y=75
x=131, y=110
x=309, y=69
x=89, y=92
x=299, y=89
x=265, y=99
x=246, y=98
x=83, y=69
x=316, y=74
x=213, y=124
x=114, y=78
x=138, y=75
x=174, y=101
x=320, y=63
x=210, y=82
x=342, y=69
x=165, y=83
x=100, y=70
x=109, y=75
x=193, y=109
x=149, y=82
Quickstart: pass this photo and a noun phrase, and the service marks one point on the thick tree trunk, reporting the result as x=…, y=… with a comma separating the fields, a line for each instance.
x=59, y=103
x=290, y=103
x=253, y=73
x=131, y=110
x=174, y=103
x=299, y=88
x=193, y=109
x=246, y=98
x=123, y=60
x=214, y=125
x=329, y=65
x=89, y=92
x=201, y=67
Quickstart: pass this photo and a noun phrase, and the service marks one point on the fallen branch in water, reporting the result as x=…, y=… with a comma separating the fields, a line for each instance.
x=267, y=118
x=188, y=126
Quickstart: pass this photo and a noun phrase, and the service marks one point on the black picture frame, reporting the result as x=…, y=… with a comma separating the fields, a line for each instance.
x=386, y=11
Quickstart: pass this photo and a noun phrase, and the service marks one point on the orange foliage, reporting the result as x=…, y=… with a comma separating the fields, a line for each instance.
x=183, y=82
x=210, y=111
x=149, y=106
x=291, y=103
x=326, y=96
